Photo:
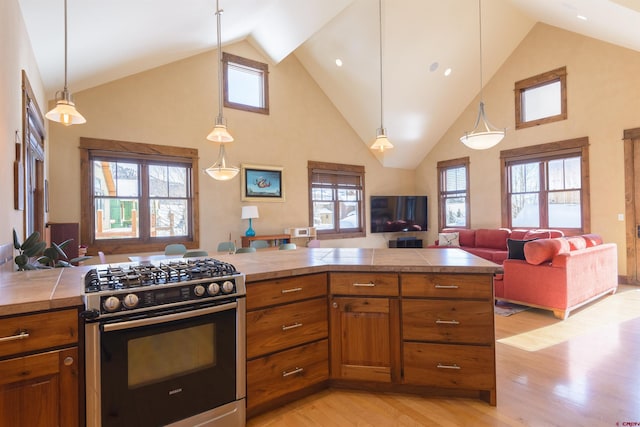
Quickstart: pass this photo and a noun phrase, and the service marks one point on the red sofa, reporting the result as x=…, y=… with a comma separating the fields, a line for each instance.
x=491, y=243
x=560, y=274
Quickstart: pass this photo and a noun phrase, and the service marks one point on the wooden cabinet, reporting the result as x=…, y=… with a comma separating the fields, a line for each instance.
x=448, y=332
x=287, y=345
x=365, y=330
x=39, y=369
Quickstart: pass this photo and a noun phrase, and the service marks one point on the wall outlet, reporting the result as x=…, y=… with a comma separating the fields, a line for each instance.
x=620, y=217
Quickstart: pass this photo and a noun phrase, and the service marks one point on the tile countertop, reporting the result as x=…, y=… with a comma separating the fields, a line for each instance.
x=27, y=291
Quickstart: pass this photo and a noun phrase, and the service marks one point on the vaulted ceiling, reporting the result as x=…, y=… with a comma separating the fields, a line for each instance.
x=420, y=39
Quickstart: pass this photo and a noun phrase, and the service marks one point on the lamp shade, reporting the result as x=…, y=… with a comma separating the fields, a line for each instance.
x=382, y=142
x=65, y=112
x=249, y=212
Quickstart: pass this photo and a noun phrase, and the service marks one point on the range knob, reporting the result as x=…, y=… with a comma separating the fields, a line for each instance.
x=199, y=290
x=213, y=289
x=227, y=287
x=111, y=304
x=130, y=301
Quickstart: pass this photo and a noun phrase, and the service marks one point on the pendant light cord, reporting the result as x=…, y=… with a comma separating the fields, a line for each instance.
x=480, y=38
x=220, y=86
x=65, y=46
x=381, y=78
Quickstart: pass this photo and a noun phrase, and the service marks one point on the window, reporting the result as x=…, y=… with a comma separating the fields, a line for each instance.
x=246, y=84
x=541, y=99
x=32, y=195
x=137, y=197
x=453, y=203
x=336, y=206
x=546, y=186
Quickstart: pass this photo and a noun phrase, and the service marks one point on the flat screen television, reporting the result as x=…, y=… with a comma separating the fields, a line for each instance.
x=391, y=214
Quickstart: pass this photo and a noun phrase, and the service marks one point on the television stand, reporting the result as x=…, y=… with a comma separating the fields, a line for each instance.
x=405, y=243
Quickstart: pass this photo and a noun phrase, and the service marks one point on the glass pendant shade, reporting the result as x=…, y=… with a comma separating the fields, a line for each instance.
x=219, y=170
x=220, y=132
x=65, y=111
x=484, y=135
x=382, y=142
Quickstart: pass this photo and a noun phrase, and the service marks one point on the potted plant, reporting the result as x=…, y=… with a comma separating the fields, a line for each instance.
x=34, y=254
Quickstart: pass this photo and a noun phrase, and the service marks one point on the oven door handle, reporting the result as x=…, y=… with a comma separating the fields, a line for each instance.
x=108, y=327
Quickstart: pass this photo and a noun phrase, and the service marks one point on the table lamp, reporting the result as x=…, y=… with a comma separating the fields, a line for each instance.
x=250, y=212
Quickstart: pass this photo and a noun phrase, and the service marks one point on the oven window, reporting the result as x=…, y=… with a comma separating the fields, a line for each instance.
x=187, y=350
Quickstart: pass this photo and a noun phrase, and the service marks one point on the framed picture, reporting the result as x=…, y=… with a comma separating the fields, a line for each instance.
x=262, y=183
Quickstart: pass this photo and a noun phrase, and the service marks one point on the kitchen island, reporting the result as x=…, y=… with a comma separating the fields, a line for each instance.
x=407, y=320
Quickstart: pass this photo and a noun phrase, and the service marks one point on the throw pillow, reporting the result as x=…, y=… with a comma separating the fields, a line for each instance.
x=515, y=248
x=592, y=239
x=449, y=239
x=543, y=250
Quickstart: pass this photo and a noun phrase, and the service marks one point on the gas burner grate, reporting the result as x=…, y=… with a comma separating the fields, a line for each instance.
x=138, y=275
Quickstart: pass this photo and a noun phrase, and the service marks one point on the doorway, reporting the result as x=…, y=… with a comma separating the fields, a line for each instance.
x=632, y=203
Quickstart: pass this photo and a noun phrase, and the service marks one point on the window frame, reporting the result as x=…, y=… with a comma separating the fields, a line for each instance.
x=557, y=75
x=249, y=63
x=122, y=151
x=32, y=153
x=338, y=169
x=545, y=153
x=443, y=167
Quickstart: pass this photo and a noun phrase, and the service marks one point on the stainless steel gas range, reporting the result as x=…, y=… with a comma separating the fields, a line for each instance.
x=165, y=344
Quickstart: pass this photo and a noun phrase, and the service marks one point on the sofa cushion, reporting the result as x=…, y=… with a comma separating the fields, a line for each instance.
x=449, y=239
x=466, y=236
x=543, y=250
x=537, y=234
x=518, y=234
x=592, y=239
x=515, y=248
x=492, y=238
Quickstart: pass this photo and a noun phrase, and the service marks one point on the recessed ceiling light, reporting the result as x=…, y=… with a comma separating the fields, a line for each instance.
x=447, y=72
x=339, y=62
x=434, y=66
x=582, y=17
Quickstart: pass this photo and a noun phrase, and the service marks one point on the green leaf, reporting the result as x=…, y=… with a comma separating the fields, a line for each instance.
x=34, y=249
x=58, y=250
x=31, y=240
x=80, y=259
x=21, y=260
x=16, y=240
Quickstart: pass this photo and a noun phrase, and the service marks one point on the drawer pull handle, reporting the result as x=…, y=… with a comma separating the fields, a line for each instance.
x=68, y=361
x=443, y=366
x=287, y=327
x=365, y=285
x=447, y=322
x=22, y=334
x=446, y=286
x=295, y=371
x=287, y=291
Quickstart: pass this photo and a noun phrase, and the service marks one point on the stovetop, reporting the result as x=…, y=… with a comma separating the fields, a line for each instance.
x=120, y=277
x=125, y=289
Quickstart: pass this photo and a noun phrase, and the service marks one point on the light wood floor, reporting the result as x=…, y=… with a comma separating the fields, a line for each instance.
x=584, y=371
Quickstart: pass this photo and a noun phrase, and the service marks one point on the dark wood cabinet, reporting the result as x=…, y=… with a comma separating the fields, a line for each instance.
x=40, y=369
x=59, y=232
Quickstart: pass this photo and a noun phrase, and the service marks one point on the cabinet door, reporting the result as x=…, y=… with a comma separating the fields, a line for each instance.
x=40, y=390
x=365, y=336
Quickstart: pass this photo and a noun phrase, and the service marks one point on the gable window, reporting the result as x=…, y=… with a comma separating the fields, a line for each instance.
x=547, y=186
x=453, y=203
x=246, y=84
x=541, y=99
x=336, y=206
x=137, y=197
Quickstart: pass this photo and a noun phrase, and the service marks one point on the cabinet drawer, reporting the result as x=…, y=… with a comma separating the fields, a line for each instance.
x=447, y=285
x=369, y=284
x=276, y=328
x=290, y=289
x=39, y=331
x=285, y=372
x=449, y=366
x=448, y=321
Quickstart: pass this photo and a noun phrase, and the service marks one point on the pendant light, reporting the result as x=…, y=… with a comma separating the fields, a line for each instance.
x=484, y=135
x=219, y=170
x=65, y=110
x=382, y=142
